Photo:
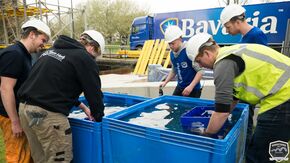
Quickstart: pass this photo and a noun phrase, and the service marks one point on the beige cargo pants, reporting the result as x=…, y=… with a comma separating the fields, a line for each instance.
x=48, y=133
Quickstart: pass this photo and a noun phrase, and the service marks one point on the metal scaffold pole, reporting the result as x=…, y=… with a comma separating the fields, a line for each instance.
x=40, y=10
x=58, y=12
x=4, y=23
x=24, y=9
x=72, y=21
x=15, y=6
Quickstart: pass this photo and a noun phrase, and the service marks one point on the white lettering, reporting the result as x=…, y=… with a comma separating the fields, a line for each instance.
x=255, y=19
x=202, y=26
x=224, y=31
x=53, y=54
x=272, y=25
x=214, y=28
x=188, y=27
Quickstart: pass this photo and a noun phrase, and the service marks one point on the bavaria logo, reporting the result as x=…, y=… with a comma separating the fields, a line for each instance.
x=184, y=64
x=279, y=151
x=168, y=22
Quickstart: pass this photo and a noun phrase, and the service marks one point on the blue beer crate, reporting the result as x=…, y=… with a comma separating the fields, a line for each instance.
x=130, y=143
x=199, y=117
x=87, y=135
x=200, y=114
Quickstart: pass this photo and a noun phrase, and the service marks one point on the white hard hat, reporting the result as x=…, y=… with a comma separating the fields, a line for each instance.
x=231, y=11
x=39, y=25
x=172, y=33
x=96, y=36
x=194, y=43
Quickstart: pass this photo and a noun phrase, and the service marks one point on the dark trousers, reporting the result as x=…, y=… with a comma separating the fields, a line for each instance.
x=250, y=124
x=194, y=93
x=272, y=125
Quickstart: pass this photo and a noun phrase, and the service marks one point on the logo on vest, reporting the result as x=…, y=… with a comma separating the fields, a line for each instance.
x=279, y=151
x=184, y=64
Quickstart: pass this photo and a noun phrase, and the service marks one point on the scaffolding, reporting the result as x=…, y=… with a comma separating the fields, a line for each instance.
x=14, y=13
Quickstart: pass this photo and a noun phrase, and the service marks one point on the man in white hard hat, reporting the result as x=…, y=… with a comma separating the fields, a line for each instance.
x=52, y=88
x=188, y=73
x=95, y=38
x=253, y=73
x=15, y=64
x=233, y=18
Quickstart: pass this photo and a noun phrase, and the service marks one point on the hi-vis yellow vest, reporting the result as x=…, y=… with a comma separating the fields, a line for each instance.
x=266, y=78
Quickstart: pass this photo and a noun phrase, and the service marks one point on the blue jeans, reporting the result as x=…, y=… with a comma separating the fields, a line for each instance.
x=272, y=125
x=194, y=93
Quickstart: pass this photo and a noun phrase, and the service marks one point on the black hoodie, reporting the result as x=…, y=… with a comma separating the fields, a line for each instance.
x=60, y=75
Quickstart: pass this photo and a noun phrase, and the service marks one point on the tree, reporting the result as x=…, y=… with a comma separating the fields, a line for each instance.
x=112, y=18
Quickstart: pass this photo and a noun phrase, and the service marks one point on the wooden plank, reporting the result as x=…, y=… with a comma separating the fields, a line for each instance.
x=153, y=53
x=166, y=63
x=163, y=50
x=140, y=57
x=158, y=51
x=145, y=59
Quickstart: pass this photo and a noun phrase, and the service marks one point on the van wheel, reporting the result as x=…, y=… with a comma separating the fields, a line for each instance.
x=139, y=47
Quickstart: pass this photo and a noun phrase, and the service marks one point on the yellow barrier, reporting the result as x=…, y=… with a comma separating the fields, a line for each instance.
x=146, y=57
x=153, y=52
x=163, y=50
x=129, y=53
x=140, y=58
x=162, y=43
x=166, y=63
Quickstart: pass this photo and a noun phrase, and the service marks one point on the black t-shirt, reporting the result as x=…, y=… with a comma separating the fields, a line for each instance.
x=15, y=62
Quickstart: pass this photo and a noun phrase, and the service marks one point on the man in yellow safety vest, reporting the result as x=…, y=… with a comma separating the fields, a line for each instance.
x=255, y=74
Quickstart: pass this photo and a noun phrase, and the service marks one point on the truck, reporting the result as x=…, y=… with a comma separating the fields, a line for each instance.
x=272, y=18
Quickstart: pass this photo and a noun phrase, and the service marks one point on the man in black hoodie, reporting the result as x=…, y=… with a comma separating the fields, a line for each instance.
x=56, y=80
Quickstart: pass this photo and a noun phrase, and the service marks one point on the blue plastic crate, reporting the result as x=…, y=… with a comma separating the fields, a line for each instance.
x=87, y=135
x=197, y=114
x=130, y=143
x=199, y=117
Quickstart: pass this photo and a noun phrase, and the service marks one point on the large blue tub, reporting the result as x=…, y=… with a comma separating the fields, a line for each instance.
x=130, y=143
x=87, y=135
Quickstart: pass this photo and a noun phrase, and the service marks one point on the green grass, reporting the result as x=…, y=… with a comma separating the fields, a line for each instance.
x=2, y=149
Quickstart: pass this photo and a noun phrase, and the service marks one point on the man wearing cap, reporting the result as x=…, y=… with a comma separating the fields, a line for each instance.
x=53, y=87
x=234, y=20
x=253, y=73
x=15, y=64
x=188, y=73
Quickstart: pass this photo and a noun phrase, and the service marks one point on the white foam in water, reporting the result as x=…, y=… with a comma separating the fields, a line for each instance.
x=154, y=119
x=79, y=114
x=162, y=106
x=113, y=109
